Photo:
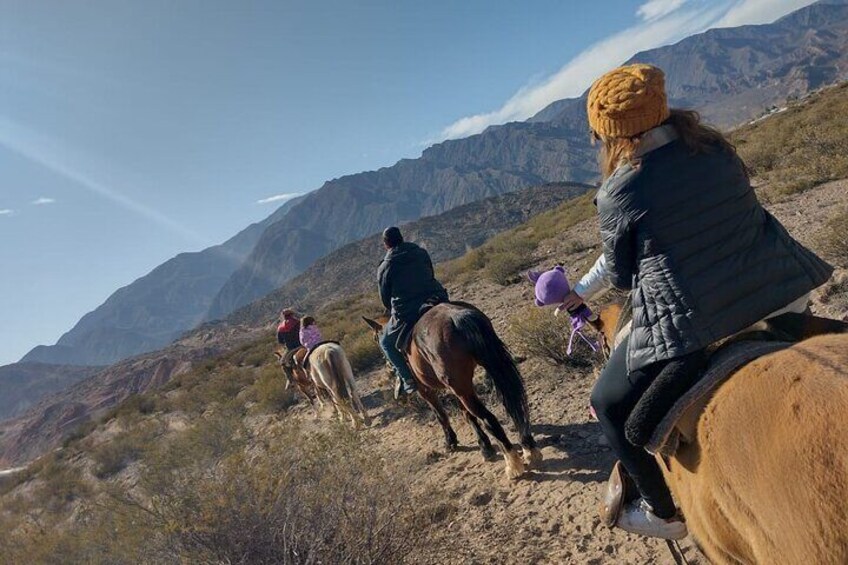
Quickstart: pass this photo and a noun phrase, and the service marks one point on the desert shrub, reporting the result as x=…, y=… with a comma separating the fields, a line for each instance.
x=836, y=292
x=362, y=351
x=502, y=258
x=271, y=393
x=538, y=333
x=294, y=498
x=801, y=147
x=113, y=456
x=832, y=239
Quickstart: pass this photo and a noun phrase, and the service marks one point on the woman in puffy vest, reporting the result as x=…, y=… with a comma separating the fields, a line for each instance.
x=683, y=231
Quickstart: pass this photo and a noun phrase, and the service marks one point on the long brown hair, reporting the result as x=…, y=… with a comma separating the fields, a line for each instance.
x=696, y=136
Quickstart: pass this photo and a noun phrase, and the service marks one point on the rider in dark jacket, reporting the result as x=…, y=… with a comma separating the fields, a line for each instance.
x=407, y=282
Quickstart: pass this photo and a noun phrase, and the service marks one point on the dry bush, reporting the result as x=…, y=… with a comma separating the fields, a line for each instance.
x=114, y=455
x=297, y=498
x=538, y=333
x=502, y=258
x=832, y=239
x=801, y=147
x=271, y=393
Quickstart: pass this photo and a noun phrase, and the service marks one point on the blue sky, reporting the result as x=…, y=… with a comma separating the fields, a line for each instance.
x=132, y=131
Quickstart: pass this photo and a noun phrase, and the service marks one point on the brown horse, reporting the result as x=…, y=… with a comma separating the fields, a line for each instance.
x=300, y=378
x=448, y=342
x=766, y=478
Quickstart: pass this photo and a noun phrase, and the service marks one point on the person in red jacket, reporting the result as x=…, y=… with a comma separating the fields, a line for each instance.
x=288, y=335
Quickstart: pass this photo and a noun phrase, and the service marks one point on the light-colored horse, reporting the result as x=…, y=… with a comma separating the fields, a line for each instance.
x=766, y=479
x=330, y=371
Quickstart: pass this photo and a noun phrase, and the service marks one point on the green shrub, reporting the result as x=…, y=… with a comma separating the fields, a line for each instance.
x=271, y=393
x=538, y=333
x=362, y=351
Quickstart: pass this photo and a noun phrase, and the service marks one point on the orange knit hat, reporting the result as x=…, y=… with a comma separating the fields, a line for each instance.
x=628, y=101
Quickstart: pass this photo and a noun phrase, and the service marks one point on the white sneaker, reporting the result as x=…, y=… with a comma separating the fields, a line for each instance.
x=638, y=518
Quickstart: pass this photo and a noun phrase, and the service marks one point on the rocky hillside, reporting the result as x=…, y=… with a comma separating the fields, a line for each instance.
x=23, y=384
x=344, y=273
x=350, y=270
x=731, y=75
x=154, y=310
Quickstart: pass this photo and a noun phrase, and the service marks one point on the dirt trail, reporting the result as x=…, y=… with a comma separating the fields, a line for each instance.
x=550, y=516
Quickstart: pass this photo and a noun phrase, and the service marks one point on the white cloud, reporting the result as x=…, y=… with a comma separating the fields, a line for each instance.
x=6, y=212
x=665, y=22
x=653, y=9
x=279, y=197
x=42, y=201
x=746, y=12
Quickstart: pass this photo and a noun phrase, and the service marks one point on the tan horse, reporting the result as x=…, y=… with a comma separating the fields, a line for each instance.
x=766, y=479
x=331, y=373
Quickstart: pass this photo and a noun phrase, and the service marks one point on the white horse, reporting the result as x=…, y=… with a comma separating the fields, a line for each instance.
x=330, y=371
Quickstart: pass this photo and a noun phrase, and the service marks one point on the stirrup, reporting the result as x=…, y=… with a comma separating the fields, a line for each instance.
x=620, y=491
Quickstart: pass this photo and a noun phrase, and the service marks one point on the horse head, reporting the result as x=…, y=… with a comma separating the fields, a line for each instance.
x=376, y=325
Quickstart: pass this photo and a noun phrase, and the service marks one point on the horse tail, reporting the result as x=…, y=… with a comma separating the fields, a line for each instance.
x=493, y=355
x=340, y=369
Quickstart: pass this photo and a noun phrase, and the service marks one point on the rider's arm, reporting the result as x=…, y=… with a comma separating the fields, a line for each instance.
x=384, y=286
x=619, y=242
x=594, y=281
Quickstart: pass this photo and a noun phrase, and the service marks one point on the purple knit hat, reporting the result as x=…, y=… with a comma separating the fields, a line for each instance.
x=551, y=286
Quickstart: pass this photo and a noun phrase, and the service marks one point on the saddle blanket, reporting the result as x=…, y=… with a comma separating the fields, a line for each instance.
x=722, y=364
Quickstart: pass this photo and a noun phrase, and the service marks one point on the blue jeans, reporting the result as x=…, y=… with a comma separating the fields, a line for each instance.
x=388, y=343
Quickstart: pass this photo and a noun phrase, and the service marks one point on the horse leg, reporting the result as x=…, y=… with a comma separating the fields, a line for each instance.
x=482, y=439
x=432, y=398
x=514, y=463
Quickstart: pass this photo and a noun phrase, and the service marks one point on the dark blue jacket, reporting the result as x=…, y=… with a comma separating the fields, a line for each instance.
x=702, y=258
x=407, y=281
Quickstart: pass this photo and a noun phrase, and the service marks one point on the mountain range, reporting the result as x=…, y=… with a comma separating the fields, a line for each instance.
x=730, y=75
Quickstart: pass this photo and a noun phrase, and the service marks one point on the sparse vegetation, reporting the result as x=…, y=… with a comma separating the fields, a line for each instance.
x=538, y=333
x=503, y=257
x=832, y=239
x=800, y=147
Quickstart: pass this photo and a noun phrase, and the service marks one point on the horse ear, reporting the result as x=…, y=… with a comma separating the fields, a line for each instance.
x=374, y=325
x=533, y=276
x=278, y=355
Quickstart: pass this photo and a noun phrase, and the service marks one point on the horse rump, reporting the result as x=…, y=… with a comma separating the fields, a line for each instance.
x=483, y=343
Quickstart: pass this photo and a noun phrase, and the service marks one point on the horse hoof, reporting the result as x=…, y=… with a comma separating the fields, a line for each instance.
x=532, y=457
x=489, y=454
x=514, y=465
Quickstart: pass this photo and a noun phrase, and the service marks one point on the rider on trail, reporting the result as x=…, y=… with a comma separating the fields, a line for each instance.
x=407, y=282
x=682, y=229
x=288, y=336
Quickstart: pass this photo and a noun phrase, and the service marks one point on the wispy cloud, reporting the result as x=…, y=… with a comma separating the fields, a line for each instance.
x=279, y=197
x=747, y=12
x=663, y=22
x=6, y=212
x=61, y=160
x=42, y=201
x=653, y=9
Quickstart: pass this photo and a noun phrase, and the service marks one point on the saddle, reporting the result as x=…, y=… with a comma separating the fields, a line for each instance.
x=404, y=339
x=665, y=416
x=305, y=364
